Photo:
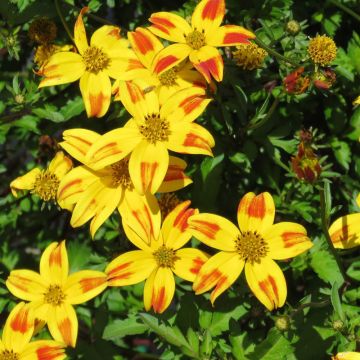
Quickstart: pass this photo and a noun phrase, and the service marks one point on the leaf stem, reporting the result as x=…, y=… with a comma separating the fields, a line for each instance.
x=325, y=225
x=63, y=20
x=346, y=9
x=276, y=54
x=271, y=111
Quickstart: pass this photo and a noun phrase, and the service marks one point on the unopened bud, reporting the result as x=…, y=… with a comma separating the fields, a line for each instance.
x=282, y=323
x=19, y=98
x=324, y=79
x=42, y=30
x=338, y=325
x=293, y=27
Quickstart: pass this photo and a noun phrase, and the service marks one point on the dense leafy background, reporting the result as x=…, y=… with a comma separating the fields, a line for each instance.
x=247, y=158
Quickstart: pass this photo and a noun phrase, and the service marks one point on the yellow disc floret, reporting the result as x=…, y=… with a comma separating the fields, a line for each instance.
x=251, y=246
x=249, y=56
x=168, y=78
x=120, y=174
x=155, y=128
x=322, y=50
x=46, y=185
x=54, y=296
x=165, y=257
x=195, y=39
x=95, y=59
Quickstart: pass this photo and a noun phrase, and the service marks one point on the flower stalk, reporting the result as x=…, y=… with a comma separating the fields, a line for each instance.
x=346, y=9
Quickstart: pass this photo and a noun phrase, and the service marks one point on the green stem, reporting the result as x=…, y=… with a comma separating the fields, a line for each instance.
x=325, y=225
x=309, y=304
x=276, y=54
x=346, y=9
x=63, y=20
x=271, y=111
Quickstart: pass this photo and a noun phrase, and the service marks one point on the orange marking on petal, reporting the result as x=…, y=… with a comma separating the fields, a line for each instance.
x=164, y=63
x=193, y=140
x=220, y=282
x=135, y=92
x=341, y=234
x=161, y=28
x=174, y=172
x=209, y=68
x=20, y=323
x=115, y=33
x=257, y=207
x=213, y=9
x=208, y=278
x=158, y=300
x=134, y=64
x=148, y=220
x=49, y=352
x=147, y=173
x=120, y=277
x=96, y=103
x=207, y=228
x=70, y=184
x=55, y=256
x=191, y=103
x=66, y=331
x=197, y=264
x=143, y=43
x=292, y=238
x=274, y=287
x=118, y=268
x=112, y=150
x=161, y=21
x=19, y=281
x=235, y=37
x=182, y=218
x=91, y=283
x=269, y=288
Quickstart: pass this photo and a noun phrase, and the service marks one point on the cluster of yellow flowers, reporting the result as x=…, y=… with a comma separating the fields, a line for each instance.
x=165, y=90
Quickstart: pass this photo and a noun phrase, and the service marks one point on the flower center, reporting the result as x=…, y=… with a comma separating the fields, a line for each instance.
x=155, y=129
x=95, y=59
x=195, y=39
x=322, y=50
x=9, y=355
x=54, y=295
x=168, y=78
x=165, y=257
x=251, y=246
x=120, y=174
x=46, y=185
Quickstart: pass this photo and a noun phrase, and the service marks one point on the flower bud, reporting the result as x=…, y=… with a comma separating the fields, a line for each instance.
x=296, y=83
x=282, y=323
x=324, y=79
x=42, y=30
x=338, y=325
x=293, y=27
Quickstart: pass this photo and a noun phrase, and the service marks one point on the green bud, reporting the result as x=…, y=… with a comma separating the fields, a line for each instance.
x=282, y=323
x=293, y=27
x=338, y=325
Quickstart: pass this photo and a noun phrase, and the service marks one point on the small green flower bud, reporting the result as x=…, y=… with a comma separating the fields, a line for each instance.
x=338, y=325
x=293, y=27
x=19, y=98
x=282, y=323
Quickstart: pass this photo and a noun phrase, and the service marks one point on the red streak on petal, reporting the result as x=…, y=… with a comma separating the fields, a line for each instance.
x=220, y=283
x=118, y=268
x=135, y=92
x=142, y=42
x=55, y=256
x=197, y=264
x=161, y=28
x=161, y=21
x=20, y=323
x=274, y=288
x=213, y=9
x=193, y=140
x=182, y=218
x=165, y=63
x=120, y=277
x=292, y=238
x=269, y=288
x=158, y=300
x=191, y=103
x=69, y=185
x=115, y=33
x=19, y=282
x=107, y=150
x=174, y=173
x=66, y=331
x=210, y=67
x=134, y=64
x=49, y=352
x=235, y=38
x=211, y=277
x=143, y=222
x=97, y=102
x=91, y=283
x=257, y=207
x=148, y=171
x=207, y=228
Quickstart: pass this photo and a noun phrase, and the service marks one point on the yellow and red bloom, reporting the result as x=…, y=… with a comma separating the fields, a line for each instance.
x=348, y=355
x=53, y=292
x=105, y=58
x=296, y=83
x=159, y=258
x=198, y=41
x=153, y=131
x=97, y=193
x=345, y=231
x=44, y=183
x=254, y=245
x=146, y=46
x=18, y=330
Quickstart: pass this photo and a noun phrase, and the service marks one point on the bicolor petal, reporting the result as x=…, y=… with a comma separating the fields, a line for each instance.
x=256, y=213
x=345, y=231
x=229, y=35
x=96, y=92
x=54, y=264
x=60, y=165
x=80, y=33
x=130, y=268
x=44, y=350
x=286, y=240
x=267, y=282
x=214, y=230
x=107, y=37
x=159, y=290
x=189, y=262
x=25, y=182
x=169, y=26
x=84, y=285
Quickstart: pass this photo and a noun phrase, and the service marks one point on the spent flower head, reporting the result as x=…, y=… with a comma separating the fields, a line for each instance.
x=42, y=30
x=249, y=56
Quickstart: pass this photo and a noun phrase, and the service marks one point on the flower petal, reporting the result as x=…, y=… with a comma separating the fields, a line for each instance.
x=44, y=350
x=141, y=218
x=60, y=165
x=63, y=67
x=112, y=147
x=148, y=165
x=175, y=177
x=159, y=290
x=130, y=268
x=256, y=213
x=214, y=230
x=347, y=355
x=145, y=44
x=267, y=282
x=54, y=265
x=96, y=93
x=169, y=57
x=221, y=271
x=345, y=231
x=63, y=324
x=189, y=262
x=77, y=142
x=25, y=182
x=106, y=37
x=208, y=61
x=229, y=35
x=84, y=285
x=26, y=285
x=190, y=138
x=208, y=15
x=80, y=33
x=286, y=240
x=169, y=26
x=18, y=328
x=175, y=228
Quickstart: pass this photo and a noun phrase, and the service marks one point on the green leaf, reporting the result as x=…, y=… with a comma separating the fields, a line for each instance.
x=121, y=328
x=49, y=112
x=336, y=302
x=73, y=108
x=342, y=153
x=355, y=125
x=354, y=270
x=79, y=254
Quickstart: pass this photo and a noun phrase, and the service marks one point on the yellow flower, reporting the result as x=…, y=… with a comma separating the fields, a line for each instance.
x=144, y=66
x=97, y=193
x=53, y=292
x=94, y=65
x=18, y=330
x=253, y=245
x=151, y=133
x=159, y=258
x=322, y=50
x=349, y=355
x=44, y=183
x=249, y=56
x=357, y=101
x=198, y=41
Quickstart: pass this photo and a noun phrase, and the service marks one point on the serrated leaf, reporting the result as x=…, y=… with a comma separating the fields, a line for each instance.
x=121, y=328
x=342, y=153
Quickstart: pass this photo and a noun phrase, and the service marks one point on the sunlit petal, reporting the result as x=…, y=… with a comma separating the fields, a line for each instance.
x=345, y=231
x=60, y=165
x=208, y=15
x=25, y=182
x=229, y=35
x=80, y=33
